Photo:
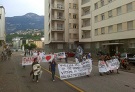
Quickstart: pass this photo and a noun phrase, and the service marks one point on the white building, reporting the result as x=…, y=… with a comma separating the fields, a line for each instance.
x=61, y=24
x=2, y=27
x=107, y=25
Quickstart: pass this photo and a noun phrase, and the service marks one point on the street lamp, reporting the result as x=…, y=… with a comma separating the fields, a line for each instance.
x=42, y=39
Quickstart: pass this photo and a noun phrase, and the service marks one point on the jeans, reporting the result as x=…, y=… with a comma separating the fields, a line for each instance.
x=36, y=77
x=53, y=74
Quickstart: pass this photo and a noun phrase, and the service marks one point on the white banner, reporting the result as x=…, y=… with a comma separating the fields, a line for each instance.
x=67, y=71
x=60, y=55
x=27, y=60
x=102, y=66
x=112, y=64
x=47, y=58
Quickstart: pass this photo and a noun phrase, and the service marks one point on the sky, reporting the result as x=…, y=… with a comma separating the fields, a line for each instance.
x=21, y=7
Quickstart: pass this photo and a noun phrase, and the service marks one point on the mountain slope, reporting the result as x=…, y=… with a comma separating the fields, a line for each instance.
x=27, y=21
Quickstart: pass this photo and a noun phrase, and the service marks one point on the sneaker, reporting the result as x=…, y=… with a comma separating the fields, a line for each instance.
x=37, y=81
x=53, y=80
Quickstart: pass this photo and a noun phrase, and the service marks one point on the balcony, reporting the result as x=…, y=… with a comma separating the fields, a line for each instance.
x=61, y=29
x=58, y=7
x=85, y=1
x=60, y=18
x=57, y=40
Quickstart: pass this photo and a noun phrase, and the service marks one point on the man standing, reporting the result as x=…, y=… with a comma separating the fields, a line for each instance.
x=53, y=65
x=79, y=53
x=36, y=69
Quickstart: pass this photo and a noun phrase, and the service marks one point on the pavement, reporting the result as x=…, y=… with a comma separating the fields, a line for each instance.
x=8, y=77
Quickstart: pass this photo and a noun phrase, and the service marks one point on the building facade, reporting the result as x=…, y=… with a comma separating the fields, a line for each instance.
x=2, y=27
x=61, y=25
x=107, y=25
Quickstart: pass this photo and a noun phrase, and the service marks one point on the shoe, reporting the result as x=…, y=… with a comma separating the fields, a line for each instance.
x=37, y=81
x=32, y=79
x=53, y=80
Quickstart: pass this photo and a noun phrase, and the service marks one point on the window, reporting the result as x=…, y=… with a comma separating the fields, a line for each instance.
x=130, y=25
x=69, y=5
x=110, y=14
x=102, y=16
x=74, y=25
x=74, y=16
x=102, y=3
x=110, y=29
x=129, y=7
x=96, y=31
x=132, y=44
x=75, y=6
x=60, y=46
x=75, y=36
x=59, y=26
x=69, y=25
x=102, y=30
x=109, y=1
x=96, y=5
x=70, y=15
x=119, y=27
x=96, y=18
x=119, y=11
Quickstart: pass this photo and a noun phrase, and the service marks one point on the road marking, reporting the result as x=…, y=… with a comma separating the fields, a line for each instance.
x=68, y=83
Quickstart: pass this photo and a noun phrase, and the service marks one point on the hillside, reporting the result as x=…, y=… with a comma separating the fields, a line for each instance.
x=27, y=21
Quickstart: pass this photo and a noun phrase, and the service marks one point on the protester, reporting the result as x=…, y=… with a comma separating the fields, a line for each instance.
x=36, y=69
x=53, y=66
x=89, y=55
x=66, y=57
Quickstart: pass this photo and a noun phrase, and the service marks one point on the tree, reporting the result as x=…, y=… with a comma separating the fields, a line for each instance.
x=30, y=46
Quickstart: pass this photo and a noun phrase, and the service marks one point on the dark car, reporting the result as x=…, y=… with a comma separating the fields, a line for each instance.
x=70, y=54
x=129, y=56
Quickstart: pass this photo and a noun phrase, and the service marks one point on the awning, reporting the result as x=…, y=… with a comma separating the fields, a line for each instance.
x=112, y=43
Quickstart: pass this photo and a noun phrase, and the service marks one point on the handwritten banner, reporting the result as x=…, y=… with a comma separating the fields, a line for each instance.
x=67, y=71
x=112, y=64
x=27, y=60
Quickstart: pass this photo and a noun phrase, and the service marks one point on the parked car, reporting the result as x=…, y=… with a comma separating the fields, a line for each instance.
x=129, y=56
x=70, y=54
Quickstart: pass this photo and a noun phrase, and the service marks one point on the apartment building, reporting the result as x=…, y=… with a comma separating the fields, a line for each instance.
x=107, y=25
x=2, y=27
x=61, y=25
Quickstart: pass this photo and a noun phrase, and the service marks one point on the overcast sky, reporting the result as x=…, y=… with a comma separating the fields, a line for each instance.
x=21, y=7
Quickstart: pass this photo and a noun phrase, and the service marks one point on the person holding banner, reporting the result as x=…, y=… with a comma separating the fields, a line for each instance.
x=52, y=67
x=36, y=69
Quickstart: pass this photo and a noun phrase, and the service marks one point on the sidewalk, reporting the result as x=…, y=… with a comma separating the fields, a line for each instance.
x=8, y=77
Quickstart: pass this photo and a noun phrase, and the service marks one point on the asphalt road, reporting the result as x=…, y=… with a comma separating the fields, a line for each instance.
x=22, y=82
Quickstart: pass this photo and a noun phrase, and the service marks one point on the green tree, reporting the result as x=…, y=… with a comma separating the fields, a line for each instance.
x=30, y=46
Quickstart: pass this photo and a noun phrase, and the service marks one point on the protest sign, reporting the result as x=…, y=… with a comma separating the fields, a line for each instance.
x=27, y=60
x=67, y=71
x=102, y=66
x=113, y=64
x=48, y=58
x=61, y=55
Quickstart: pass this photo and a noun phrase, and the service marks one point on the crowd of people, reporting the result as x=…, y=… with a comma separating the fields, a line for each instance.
x=79, y=57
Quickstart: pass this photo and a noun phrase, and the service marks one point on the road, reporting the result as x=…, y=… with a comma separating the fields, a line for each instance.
x=22, y=82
